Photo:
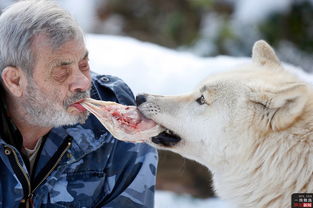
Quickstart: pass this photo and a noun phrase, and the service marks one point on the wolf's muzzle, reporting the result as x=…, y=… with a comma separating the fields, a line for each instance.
x=166, y=138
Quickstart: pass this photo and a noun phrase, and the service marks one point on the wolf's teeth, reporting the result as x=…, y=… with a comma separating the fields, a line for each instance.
x=168, y=131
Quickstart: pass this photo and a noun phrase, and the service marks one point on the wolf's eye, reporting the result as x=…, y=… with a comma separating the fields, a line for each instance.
x=201, y=100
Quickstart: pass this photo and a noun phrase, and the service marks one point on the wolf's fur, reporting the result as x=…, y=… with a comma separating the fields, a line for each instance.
x=253, y=129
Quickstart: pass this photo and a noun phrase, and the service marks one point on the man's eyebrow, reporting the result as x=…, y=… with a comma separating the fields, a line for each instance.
x=62, y=63
x=57, y=63
x=65, y=63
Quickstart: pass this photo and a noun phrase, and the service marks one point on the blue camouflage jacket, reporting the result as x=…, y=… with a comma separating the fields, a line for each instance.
x=82, y=165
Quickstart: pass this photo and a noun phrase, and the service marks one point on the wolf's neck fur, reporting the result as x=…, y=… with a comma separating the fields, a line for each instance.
x=279, y=166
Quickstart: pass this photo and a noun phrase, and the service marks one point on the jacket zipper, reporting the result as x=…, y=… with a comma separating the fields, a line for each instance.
x=30, y=191
x=54, y=166
x=20, y=172
x=21, y=168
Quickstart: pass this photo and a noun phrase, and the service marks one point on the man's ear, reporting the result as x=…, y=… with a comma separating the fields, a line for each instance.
x=14, y=80
x=280, y=108
x=263, y=54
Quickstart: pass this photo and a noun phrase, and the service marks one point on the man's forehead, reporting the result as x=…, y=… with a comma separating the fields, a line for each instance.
x=42, y=40
x=72, y=50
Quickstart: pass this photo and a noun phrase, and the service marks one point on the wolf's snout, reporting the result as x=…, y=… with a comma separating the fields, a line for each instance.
x=140, y=99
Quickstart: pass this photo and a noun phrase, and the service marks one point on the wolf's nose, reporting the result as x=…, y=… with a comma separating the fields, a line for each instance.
x=140, y=99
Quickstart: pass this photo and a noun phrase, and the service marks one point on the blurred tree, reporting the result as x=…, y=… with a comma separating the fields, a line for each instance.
x=168, y=23
x=295, y=26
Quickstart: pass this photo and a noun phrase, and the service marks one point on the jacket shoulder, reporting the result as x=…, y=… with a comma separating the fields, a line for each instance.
x=111, y=88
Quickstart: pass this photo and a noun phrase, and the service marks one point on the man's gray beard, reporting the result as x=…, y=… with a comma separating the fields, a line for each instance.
x=45, y=110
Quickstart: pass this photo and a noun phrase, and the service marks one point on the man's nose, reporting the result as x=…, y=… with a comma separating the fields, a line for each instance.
x=80, y=82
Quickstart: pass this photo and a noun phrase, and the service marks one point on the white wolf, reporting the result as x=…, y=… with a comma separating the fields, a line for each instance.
x=252, y=127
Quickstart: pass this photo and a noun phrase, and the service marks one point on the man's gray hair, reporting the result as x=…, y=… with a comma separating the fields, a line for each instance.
x=22, y=21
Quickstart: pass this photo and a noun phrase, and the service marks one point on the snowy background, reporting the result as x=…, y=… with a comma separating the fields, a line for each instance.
x=171, y=200
x=147, y=67
x=150, y=68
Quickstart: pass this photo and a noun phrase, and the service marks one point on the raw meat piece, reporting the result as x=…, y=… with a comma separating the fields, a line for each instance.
x=123, y=122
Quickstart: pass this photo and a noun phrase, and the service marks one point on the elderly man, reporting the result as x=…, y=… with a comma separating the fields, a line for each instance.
x=50, y=156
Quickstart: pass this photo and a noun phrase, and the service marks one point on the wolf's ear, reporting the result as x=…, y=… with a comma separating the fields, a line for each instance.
x=280, y=108
x=263, y=54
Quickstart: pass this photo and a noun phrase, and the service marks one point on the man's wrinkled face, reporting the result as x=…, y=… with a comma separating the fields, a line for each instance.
x=60, y=78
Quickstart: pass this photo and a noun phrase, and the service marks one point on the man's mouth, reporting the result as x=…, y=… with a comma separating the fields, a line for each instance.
x=77, y=106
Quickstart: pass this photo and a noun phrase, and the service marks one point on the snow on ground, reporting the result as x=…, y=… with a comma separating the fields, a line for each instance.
x=165, y=199
x=150, y=68
x=147, y=67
